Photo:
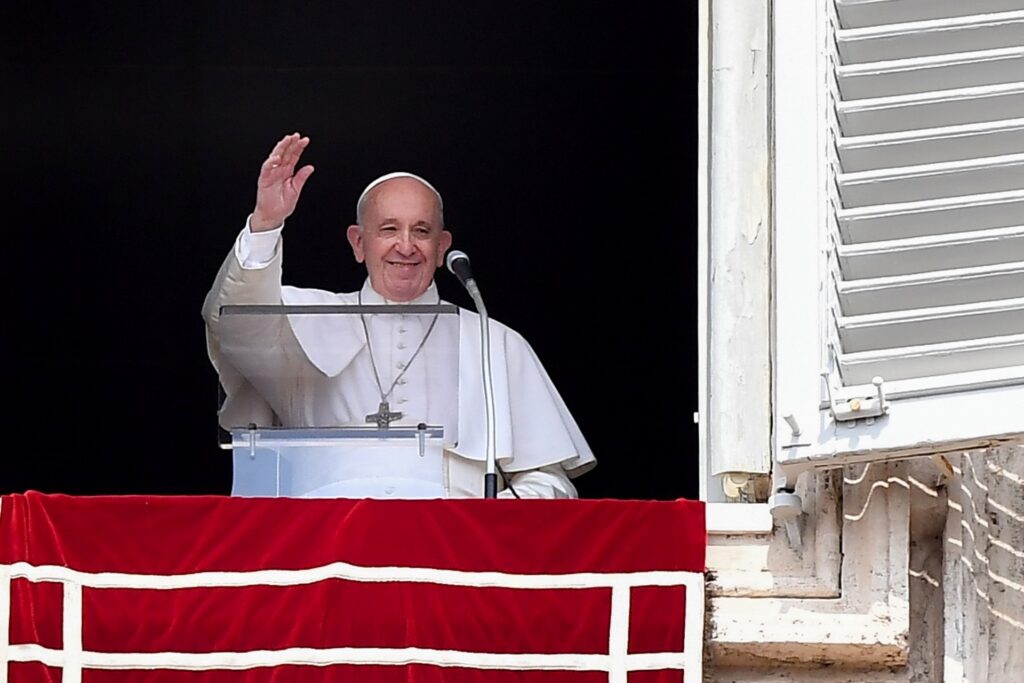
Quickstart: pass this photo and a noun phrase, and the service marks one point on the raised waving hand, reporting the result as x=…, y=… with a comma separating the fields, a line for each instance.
x=279, y=185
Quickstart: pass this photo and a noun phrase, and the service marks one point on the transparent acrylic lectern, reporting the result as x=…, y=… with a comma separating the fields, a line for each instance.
x=309, y=408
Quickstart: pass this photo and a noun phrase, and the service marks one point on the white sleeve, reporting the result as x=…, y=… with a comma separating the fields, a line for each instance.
x=546, y=482
x=251, y=353
x=255, y=250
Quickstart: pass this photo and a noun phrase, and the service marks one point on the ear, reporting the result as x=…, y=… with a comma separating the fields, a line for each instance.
x=444, y=244
x=355, y=238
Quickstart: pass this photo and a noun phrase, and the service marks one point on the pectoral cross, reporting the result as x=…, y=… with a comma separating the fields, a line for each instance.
x=383, y=417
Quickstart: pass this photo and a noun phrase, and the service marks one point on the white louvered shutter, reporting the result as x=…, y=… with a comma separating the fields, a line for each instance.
x=926, y=228
x=899, y=227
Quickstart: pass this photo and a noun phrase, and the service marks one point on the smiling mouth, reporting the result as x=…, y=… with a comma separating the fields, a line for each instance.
x=403, y=264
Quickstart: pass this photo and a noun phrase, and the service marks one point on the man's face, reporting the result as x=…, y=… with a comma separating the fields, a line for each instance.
x=401, y=240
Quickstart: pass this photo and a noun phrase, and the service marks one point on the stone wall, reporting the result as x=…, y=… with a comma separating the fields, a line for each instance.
x=983, y=568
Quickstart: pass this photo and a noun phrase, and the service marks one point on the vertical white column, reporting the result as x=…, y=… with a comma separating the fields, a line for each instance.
x=72, y=633
x=693, y=629
x=618, y=635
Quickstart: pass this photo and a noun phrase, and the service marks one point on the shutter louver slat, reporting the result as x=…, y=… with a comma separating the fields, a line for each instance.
x=907, y=292
x=918, y=39
x=928, y=74
x=936, y=325
x=938, y=252
x=911, y=362
x=931, y=181
x=927, y=233
x=935, y=217
x=932, y=109
x=932, y=145
x=865, y=13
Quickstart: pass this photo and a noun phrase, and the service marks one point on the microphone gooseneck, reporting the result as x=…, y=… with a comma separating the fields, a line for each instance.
x=458, y=263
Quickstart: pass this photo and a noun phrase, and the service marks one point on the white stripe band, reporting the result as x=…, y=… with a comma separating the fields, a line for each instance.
x=618, y=662
x=343, y=655
x=350, y=572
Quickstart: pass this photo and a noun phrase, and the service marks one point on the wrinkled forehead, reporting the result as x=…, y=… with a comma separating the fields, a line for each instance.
x=365, y=195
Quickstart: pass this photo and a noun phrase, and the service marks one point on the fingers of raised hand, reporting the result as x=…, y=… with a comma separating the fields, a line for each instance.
x=270, y=163
x=284, y=156
x=300, y=178
x=293, y=149
x=271, y=172
x=278, y=151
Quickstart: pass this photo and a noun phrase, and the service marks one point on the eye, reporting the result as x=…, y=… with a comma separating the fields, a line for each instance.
x=422, y=231
x=387, y=229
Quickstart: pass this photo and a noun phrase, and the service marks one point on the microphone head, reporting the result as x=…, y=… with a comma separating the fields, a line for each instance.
x=453, y=256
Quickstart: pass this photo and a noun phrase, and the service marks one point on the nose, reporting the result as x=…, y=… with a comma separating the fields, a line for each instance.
x=404, y=244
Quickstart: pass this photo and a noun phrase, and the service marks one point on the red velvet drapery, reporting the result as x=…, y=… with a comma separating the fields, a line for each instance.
x=199, y=589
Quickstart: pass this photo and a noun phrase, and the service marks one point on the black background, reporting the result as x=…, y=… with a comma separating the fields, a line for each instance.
x=561, y=134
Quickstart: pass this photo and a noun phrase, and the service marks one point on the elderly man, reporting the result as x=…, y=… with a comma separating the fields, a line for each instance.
x=308, y=371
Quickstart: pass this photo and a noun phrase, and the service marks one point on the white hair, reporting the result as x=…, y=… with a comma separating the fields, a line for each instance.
x=361, y=203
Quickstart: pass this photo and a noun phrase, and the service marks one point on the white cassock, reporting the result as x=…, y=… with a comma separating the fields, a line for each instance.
x=316, y=371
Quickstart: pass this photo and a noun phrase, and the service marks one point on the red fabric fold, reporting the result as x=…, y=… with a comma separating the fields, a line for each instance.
x=148, y=541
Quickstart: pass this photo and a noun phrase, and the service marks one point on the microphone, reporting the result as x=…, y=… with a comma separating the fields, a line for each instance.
x=458, y=264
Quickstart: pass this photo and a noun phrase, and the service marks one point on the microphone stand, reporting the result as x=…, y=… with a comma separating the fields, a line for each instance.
x=491, y=473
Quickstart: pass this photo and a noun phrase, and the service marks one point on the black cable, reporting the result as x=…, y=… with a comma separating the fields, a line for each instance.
x=504, y=478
